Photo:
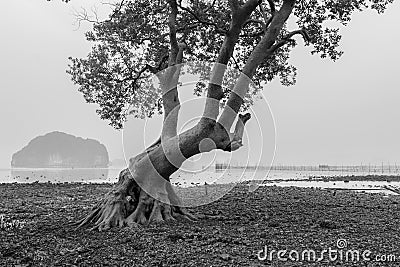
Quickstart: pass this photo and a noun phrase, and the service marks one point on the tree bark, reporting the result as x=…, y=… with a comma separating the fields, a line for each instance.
x=143, y=193
x=260, y=53
x=214, y=92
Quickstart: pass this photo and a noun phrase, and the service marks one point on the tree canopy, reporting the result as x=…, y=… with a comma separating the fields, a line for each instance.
x=133, y=43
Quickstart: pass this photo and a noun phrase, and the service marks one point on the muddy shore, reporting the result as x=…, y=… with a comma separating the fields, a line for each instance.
x=34, y=229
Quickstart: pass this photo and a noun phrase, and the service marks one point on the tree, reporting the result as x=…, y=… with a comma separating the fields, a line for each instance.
x=142, y=38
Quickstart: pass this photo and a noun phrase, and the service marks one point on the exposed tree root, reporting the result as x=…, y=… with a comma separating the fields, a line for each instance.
x=127, y=205
x=109, y=213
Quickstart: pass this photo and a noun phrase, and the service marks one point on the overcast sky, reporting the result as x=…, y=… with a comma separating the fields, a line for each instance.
x=345, y=112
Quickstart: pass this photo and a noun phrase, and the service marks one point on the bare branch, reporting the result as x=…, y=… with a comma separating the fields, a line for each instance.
x=95, y=13
x=117, y=8
x=236, y=63
x=83, y=15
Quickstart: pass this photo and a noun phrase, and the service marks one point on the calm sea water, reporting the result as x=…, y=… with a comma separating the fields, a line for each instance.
x=55, y=175
x=186, y=179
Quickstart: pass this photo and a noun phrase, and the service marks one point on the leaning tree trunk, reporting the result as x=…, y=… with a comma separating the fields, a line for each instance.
x=144, y=194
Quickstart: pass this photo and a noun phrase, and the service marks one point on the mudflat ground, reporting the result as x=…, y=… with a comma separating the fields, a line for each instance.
x=34, y=229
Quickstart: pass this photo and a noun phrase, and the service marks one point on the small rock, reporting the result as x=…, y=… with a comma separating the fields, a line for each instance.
x=225, y=256
x=175, y=237
x=82, y=250
x=327, y=224
x=263, y=235
x=273, y=223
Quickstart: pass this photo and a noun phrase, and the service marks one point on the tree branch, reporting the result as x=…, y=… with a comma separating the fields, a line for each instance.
x=83, y=15
x=158, y=67
x=287, y=39
x=188, y=27
x=280, y=44
x=267, y=21
x=214, y=93
x=236, y=63
x=303, y=33
x=117, y=8
x=170, y=76
x=258, y=33
x=172, y=31
x=237, y=136
x=272, y=7
x=258, y=55
x=256, y=21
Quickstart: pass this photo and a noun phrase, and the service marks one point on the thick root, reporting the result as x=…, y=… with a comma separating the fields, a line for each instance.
x=182, y=213
x=150, y=210
x=114, y=208
x=111, y=212
x=115, y=211
x=128, y=205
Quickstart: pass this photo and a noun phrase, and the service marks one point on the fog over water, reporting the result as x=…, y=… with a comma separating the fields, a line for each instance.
x=345, y=112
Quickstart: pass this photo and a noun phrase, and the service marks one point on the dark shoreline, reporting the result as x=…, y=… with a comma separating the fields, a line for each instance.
x=337, y=178
x=279, y=217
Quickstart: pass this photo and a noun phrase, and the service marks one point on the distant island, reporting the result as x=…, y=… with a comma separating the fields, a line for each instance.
x=61, y=150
